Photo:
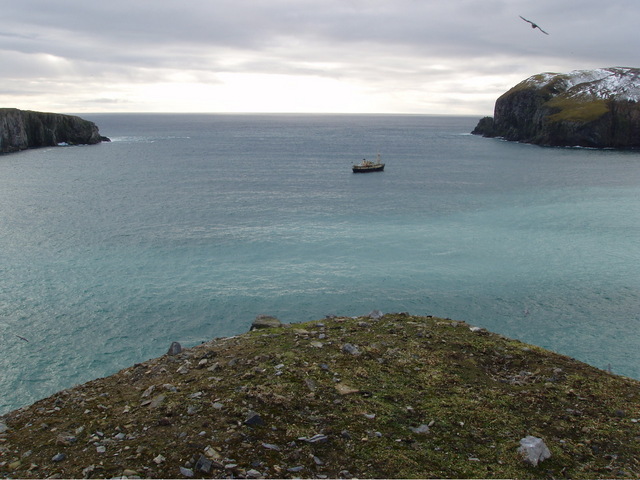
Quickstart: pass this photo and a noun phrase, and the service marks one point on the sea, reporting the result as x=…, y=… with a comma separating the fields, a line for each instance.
x=185, y=227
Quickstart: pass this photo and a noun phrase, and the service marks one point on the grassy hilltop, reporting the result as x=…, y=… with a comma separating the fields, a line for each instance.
x=393, y=397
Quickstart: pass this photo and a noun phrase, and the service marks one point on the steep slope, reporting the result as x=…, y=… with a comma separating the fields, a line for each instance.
x=590, y=108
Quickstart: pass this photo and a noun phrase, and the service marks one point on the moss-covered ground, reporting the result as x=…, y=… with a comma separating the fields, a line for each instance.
x=393, y=397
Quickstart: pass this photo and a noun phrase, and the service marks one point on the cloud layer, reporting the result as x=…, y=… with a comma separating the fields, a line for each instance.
x=414, y=56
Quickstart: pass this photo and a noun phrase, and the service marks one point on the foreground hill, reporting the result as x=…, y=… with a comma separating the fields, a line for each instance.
x=23, y=129
x=393, y=396
x=589, y=108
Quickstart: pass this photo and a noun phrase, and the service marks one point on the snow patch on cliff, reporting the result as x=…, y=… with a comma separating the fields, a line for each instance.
x=621, y=83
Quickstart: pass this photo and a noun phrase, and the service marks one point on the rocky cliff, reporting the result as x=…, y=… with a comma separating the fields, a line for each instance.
x=22, y=129
x=589, y=108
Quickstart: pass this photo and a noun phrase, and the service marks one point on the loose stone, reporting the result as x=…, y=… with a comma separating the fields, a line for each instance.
x=174, y=349
x=187, y=472
x=533, y=450
x=350, y=349
x=254, y=420
x=203, y=464
x=421, y=429
x=58, y=457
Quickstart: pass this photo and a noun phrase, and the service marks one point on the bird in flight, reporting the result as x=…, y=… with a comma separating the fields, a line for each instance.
x=533, y=25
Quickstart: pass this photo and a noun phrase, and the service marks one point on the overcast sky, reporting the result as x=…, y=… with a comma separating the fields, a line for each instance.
x=383, y=56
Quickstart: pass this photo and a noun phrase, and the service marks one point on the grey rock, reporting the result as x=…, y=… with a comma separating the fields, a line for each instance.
x=533, y=450
x=421, y=429
x=187, y=472
x=3, y=427
x=254, y=420
x=58, y=457
x=318, y=438
x=265, y=321
x=297, y=469
x=203, y=464
x=253, y=473
x=271, y=446
x=350, y=349
x=375, y=315
x=174, y=349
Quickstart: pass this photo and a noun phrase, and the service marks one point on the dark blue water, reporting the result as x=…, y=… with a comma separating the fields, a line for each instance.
x=185, y=227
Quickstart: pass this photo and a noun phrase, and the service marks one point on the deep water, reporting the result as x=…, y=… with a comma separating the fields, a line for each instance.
x=185, y=227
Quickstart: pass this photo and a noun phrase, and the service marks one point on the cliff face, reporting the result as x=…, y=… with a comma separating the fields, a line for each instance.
x=22, y=129
x=590, y=108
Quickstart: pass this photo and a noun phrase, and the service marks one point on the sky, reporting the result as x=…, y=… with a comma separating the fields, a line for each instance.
x=327, y=56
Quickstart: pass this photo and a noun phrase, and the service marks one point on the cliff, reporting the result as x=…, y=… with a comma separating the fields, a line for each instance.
x=393, y=396
x=22, y=129
x=589, y=108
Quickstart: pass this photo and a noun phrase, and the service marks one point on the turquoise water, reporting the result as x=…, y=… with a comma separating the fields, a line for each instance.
x=185, y=227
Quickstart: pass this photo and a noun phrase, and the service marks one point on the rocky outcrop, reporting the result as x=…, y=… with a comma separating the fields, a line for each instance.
x=589, y=108
x=23, y=129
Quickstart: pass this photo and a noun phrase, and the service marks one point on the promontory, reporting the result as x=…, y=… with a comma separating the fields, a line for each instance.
x=23, y=129
x=588, y=108
x=377, y=396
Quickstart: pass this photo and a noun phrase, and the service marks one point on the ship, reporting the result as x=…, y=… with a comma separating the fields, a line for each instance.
x=368, y=166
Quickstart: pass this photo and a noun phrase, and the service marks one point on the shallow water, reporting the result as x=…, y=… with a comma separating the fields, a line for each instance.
x=185, y=227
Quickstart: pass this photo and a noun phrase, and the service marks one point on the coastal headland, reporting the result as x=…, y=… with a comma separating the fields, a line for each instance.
x=378, y=396
x=23, y=129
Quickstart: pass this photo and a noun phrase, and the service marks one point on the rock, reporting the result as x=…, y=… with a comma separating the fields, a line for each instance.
x=590, y=108
x=253, y=473
x=203, y=464
x=317, y=438
x=187, y=472
x=350, y=349
x=157, y=401
x=254, y=420
x=148, y=391
x=271, y=446
x=22, y=129
x=375, y=315
x=58, y=457
x=297, y=469
x=421, y=429
x=174, y=349
x=533, y=450
x=265, y=321
x=159, y=459
x=88, y=471
x=345, y=389
x=3, y=428
x=129, y=473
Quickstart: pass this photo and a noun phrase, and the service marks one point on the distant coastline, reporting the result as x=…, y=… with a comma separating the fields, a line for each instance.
x=24, y=129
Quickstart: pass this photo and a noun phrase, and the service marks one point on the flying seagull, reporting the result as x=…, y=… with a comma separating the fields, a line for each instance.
x=533, y=25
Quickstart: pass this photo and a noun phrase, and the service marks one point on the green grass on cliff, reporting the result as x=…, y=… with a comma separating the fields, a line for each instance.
x=573, y=110
x=396, y=397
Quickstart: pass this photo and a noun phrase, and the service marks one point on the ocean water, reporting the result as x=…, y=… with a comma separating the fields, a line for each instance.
x=185, y=227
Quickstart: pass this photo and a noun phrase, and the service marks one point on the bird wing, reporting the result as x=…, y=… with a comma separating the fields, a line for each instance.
x=542, y=30
x=525, y=19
